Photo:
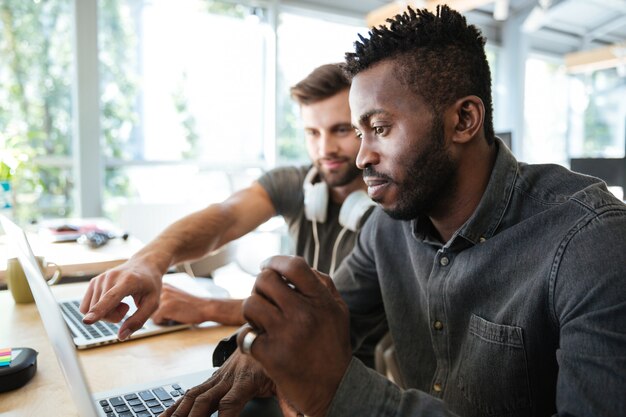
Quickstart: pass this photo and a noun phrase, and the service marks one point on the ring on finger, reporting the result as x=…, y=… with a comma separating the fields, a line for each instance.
x=248, y=340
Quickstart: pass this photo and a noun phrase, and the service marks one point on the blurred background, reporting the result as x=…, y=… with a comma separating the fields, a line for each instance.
x=114, y=107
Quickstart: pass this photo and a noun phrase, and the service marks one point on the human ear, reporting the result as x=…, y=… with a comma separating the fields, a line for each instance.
x=469, y=116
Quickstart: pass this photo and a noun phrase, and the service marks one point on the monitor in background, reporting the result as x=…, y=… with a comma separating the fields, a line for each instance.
x=611, y=170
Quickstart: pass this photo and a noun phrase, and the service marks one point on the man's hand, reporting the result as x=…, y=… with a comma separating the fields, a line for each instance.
x=180, y=306
x=239, y=380
x=103, y=299
x=303, y=340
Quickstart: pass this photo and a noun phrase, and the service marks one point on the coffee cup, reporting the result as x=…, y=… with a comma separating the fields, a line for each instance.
x=18, y=284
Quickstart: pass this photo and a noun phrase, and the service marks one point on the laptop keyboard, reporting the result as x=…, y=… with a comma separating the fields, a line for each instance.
x=147, y=403
x=71, y=311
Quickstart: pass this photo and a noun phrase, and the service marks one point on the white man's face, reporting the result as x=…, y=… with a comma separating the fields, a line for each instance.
x=330, y=139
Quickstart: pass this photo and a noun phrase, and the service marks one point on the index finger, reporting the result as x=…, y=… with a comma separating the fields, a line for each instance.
x=297, y=272
x=145, y=307
x=85, y=303
x=110, y=301
x=106, y=304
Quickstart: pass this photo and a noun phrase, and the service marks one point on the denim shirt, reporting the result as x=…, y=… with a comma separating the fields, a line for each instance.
x=521, y=313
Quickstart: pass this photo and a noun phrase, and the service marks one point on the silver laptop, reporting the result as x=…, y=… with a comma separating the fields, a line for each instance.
x=100, y=333
x=141, y=400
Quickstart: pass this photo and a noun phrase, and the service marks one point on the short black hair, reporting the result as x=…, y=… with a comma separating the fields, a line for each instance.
x=439, y=56
x=323, y=82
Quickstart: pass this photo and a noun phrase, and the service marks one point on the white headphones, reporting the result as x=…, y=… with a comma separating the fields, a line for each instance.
x=316, y=203
x=316, y=208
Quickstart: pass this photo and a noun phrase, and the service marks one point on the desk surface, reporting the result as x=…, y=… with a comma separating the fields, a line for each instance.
x=73, y=258
x=127, y=363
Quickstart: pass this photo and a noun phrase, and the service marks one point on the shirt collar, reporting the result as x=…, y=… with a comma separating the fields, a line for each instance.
x=485, y=220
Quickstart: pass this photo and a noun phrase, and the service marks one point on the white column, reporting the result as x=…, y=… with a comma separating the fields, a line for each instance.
x=271, y=68
x=86, y=154
x=512, y=77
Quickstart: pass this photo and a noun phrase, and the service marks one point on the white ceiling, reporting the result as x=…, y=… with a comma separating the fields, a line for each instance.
x=562, y=26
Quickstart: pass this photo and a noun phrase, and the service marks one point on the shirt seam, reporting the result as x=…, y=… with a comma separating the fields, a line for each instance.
x=556, y=264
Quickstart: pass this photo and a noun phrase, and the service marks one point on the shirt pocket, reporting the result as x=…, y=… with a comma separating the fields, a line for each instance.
x=493, y=372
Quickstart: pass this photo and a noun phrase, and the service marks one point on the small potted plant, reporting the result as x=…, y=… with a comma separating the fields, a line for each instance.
x=8, y=164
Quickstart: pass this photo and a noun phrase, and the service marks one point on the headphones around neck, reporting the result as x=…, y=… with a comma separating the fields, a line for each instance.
x=316, y=197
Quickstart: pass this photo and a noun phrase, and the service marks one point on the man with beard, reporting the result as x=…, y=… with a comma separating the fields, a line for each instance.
x=324, y=206
x=503, y=284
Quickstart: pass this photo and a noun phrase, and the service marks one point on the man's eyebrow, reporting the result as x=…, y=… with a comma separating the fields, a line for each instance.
x=364, y=118
x=341, y=125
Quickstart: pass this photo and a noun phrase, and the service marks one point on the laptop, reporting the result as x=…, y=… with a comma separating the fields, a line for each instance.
x=139, y=400
x=102, y=333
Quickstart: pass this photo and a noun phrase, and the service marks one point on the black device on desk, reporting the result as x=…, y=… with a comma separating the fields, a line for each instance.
x=95, y=239
x=22, y=369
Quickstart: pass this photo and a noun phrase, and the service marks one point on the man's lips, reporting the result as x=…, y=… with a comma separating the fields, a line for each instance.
x=375, y=186
x=332, y=163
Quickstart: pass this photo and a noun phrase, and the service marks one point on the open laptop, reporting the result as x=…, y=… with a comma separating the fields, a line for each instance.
x=139, y=400
x=102, y=333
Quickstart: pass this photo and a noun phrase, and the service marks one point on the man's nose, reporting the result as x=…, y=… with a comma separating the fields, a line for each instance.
x=328, y=145
x=366, y=156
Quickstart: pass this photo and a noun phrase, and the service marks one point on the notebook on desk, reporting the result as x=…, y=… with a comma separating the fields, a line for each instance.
x=102, y=333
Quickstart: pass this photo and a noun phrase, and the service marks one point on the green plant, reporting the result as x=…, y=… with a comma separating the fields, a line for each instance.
x=11, y=162
x=36, y=103
x=5, y=172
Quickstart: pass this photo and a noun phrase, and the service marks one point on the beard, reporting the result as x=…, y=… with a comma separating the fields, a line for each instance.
x=431, y=177
x=339, y=179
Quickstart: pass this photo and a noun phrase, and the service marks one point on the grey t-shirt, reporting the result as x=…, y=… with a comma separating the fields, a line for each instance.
x=285, y=188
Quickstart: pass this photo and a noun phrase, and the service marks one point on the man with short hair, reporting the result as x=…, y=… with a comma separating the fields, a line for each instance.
x=324, y=206
x=502, y=283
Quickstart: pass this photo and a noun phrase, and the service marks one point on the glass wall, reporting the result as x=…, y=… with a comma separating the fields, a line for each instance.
x=191, y=83
x=597, y=114
x=36, y=106
x=304, y=43
x=189, y=88
x=545, y=111
x=186, y=88
x=579, y=117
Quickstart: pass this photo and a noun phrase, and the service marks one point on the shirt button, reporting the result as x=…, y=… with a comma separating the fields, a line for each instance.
x=444, y=261
x=482, y=239
x=437, y=387
x=438, y=325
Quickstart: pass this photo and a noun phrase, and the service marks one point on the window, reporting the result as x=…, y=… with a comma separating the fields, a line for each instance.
x=186, y=88
x=545, y=115
x=598, y=109
x=189, y=89
x=597, y=131
x=198, y=80
x=35, y=105
x=181, y=82
x=305, y=43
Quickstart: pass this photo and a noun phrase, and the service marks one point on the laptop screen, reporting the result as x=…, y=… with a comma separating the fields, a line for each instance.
x=53, y=322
